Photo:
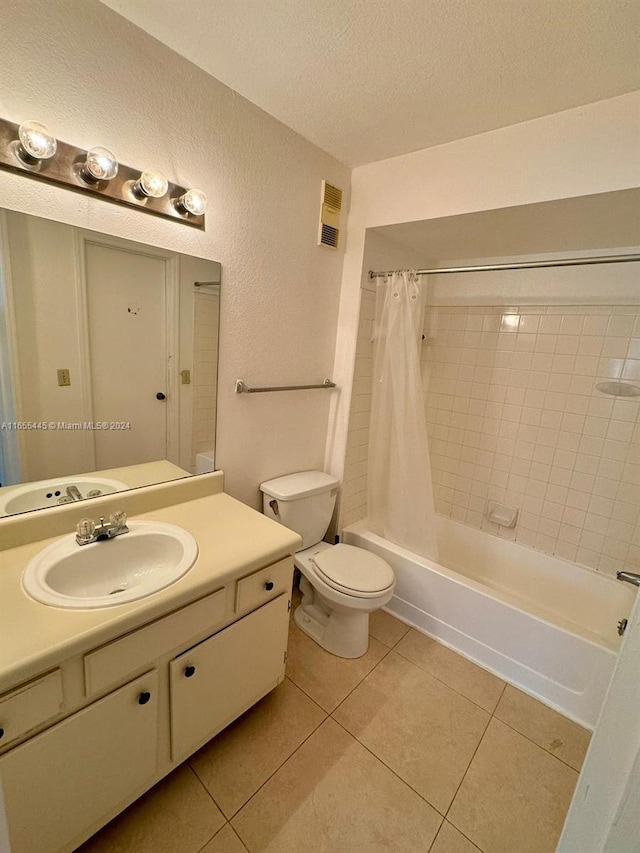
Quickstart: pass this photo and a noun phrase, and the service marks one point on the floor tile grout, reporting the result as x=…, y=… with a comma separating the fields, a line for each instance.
x=461, y=833
x=390, y=769
x=365, y=676
x=280, y=766
x=446, y=683
x=330, y=715
x=464, y=775
x=211, y=797
x=535, y=743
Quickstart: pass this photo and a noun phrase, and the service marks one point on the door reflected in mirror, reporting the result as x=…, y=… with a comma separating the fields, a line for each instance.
x=108, y=363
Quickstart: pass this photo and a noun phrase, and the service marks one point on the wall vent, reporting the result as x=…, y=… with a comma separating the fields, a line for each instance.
x=331, y=204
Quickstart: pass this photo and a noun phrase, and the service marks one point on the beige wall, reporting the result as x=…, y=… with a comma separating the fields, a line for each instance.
x=96, y=79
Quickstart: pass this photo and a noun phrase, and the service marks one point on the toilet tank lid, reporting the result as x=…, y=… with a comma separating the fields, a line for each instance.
x=300, y=485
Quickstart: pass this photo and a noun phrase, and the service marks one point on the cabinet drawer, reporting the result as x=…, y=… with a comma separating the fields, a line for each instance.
x=30, y=706
x=264, y=585
x=59, y=783
x=217, y=680
x=117, y=660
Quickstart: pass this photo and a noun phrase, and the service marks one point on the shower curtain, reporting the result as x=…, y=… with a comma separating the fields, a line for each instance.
x=400, y=494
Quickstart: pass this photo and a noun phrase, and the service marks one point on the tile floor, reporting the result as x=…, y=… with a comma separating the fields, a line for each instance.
x=410, y=748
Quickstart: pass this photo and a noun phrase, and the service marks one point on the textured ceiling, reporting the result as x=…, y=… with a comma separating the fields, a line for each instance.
x=371, y=79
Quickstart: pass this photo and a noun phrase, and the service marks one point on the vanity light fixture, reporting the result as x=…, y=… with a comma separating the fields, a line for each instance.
x=31, y=149
x=151, y=184
x=35, y=143
x=100, y=165
x=193, y=201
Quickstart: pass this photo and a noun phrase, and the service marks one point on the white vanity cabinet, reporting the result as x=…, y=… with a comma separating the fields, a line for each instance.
x=66, y=778
x=215, y=681
x=123, y=715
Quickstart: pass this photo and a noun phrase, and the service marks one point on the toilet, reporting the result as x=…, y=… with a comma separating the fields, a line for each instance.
x=341, y=584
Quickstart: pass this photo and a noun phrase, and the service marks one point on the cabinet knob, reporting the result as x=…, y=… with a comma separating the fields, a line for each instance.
x=189, y=671
x=268, y=586
x=144, y=697
x=1, y=733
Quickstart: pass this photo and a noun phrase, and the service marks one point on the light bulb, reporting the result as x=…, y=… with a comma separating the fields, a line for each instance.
x=36, y=142
x=193, y=201
x=100, y=165
x=152, y=184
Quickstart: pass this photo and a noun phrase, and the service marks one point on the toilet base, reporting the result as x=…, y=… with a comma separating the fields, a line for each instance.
x=342, y=632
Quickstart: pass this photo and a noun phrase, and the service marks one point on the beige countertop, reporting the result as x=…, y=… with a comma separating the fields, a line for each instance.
x=232, y=538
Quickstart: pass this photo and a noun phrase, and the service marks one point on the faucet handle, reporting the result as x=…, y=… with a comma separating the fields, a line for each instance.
x=118, y=519
x=85, y=529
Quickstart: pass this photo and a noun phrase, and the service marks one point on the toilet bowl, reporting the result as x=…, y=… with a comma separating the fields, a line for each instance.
x=340, y=584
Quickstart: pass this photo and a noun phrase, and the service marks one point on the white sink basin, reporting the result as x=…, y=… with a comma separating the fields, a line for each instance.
x=52, y=492
x=150, y=557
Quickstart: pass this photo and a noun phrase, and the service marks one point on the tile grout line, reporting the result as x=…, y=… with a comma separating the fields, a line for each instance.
x=493, y=713
x=280, y=766
x=390, y=768
x=329, y=713
x=229, y=819
x=464, y=776
x=446, y=684
x=215, y=835
x=466, y=837
x=364, y=677
x=527, y=738
x=188, y=764
x=187, y=761
x=393, y=772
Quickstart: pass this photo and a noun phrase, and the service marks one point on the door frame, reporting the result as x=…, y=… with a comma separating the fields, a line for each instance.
x=172, y=335
x=11, y=441
x=608, y=789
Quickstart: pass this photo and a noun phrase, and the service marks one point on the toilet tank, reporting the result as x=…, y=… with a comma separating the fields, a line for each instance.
x=303, y=502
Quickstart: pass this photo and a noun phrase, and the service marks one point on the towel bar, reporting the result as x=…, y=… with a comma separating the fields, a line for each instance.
x=243, y=388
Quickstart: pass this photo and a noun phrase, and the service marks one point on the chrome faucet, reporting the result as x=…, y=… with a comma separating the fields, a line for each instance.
x=629, y=577
x=74, y=493
x=88, y=531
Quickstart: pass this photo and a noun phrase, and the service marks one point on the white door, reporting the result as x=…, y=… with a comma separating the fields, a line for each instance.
x=127, y=336
x=604, y=816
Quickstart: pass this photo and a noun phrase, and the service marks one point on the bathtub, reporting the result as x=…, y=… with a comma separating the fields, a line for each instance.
x=541, y=623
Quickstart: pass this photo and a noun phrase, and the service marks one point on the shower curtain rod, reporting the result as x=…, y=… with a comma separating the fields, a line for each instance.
x=521, y=265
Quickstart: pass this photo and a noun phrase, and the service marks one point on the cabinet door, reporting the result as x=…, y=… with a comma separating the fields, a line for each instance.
x=59, y=783
x=215, y=681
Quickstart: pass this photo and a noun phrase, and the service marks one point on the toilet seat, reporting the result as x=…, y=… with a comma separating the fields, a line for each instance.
x=353, y=571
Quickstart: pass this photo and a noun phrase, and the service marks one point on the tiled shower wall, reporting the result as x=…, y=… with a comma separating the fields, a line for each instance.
x=513, y=416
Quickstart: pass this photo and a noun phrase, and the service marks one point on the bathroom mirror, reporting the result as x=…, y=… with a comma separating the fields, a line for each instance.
x=108, y=363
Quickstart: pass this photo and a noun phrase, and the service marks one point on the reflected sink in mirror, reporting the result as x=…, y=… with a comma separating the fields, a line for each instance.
x=150, y=557
x=52, y=492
